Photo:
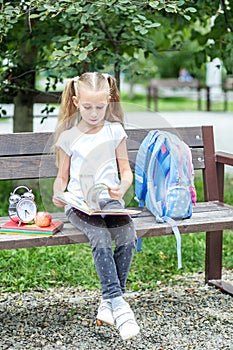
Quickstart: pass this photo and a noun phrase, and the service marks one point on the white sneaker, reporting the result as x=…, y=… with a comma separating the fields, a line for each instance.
x=105, y=313
x=125, y=322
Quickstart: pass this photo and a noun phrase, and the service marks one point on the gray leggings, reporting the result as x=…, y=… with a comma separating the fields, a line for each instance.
x=112, y=267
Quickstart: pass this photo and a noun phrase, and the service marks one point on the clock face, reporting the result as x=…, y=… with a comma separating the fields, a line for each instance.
x=26, y=210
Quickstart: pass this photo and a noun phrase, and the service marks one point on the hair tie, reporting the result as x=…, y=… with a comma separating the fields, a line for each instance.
x=106, y=75
x=75, y=81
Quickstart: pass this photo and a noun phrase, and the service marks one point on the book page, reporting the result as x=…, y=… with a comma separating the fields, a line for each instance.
x=68, y=198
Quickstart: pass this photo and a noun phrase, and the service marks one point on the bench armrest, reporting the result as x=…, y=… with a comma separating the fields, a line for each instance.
x=222, y=159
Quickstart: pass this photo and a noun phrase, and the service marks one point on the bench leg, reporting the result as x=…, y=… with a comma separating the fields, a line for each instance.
x=213, y=271
x=148, y=98
x=213, y=268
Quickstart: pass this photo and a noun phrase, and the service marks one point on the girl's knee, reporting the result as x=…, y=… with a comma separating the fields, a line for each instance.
x=100, y=241
x=122, y=240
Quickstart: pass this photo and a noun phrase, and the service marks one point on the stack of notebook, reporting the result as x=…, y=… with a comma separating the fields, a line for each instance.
x=12, y=227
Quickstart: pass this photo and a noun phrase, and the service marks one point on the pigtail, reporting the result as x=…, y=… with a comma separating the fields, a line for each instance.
x=68, y=112
x=115, y=109
x=115, y=95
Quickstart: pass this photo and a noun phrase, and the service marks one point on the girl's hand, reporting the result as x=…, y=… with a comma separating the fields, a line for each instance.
x=116, y=193
x=57, y=202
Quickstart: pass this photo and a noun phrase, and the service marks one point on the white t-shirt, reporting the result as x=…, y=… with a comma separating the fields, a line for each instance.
x=92, y=156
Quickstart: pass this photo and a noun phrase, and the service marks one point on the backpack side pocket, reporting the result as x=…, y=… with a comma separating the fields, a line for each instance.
x=179, y=204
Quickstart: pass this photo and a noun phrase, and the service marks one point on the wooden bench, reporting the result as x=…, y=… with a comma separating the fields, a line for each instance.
x=173, y=83
x=227, y=86
x=27, y=156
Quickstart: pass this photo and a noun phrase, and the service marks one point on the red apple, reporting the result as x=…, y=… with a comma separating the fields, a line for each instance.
x=43, y=219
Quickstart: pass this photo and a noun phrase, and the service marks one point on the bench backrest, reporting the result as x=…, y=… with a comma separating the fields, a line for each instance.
x=28, y=155
x=228, y=84
x=173, y=83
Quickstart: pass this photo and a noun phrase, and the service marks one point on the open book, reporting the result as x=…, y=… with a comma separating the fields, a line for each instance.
x=69, y=198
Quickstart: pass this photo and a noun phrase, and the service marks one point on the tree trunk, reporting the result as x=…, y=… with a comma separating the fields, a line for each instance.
x=23, y=112
x=117, y=72
x=131, y=89
x=25, y=80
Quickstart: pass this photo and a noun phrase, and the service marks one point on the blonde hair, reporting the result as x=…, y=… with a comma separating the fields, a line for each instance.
x=69, y=116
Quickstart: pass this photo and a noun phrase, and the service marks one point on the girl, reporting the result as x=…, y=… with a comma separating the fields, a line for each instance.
x=90, y=142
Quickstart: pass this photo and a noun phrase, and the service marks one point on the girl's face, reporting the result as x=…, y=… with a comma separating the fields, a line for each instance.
x=92, y=106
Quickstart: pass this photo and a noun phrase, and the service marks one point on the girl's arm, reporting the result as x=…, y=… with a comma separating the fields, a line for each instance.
x=125, y=172
x=61, y=180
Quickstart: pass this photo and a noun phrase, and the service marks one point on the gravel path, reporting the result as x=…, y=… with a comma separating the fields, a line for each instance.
x=185, y=315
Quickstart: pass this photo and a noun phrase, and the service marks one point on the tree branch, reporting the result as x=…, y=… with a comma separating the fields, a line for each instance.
x=108, y=34
x=229, y=26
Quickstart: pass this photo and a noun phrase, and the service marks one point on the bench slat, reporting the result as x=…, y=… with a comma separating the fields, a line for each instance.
x=40, y=143
x=25, y=143
x=27, y=167
x=214, y=215
x=31, y=145
x=197, y=157
x=30, y=167
x=192, y=136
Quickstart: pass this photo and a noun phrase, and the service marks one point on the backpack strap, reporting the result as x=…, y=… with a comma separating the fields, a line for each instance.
x=142, y=162
x=156, y=207
x=141, y=166
x=157, y=210
x=176, y=232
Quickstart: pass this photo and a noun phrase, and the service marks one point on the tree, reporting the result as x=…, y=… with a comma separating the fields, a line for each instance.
x=74, y=36
x=23, y=52
x=213, y=31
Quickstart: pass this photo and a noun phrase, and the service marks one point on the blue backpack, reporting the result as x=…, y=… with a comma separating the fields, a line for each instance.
x=164, y=180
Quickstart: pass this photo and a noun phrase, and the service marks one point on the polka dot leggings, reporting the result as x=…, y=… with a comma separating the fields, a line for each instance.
x=112, y=265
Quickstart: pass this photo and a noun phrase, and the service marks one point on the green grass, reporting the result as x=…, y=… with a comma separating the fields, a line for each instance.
x=72, y=265
x=171, y=104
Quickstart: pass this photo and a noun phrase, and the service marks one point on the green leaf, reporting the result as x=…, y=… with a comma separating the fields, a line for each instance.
x=143, y=18
x=35, y=15
x=170, y=9
x=50, y=8
x=58, y=53
x=82, y=56
x=180, y=3
x=187, y=17
x=154, y=25
x=154, y=4
x=89, y=47
x=143, y=31
x=64, y=38
x=190, y=9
